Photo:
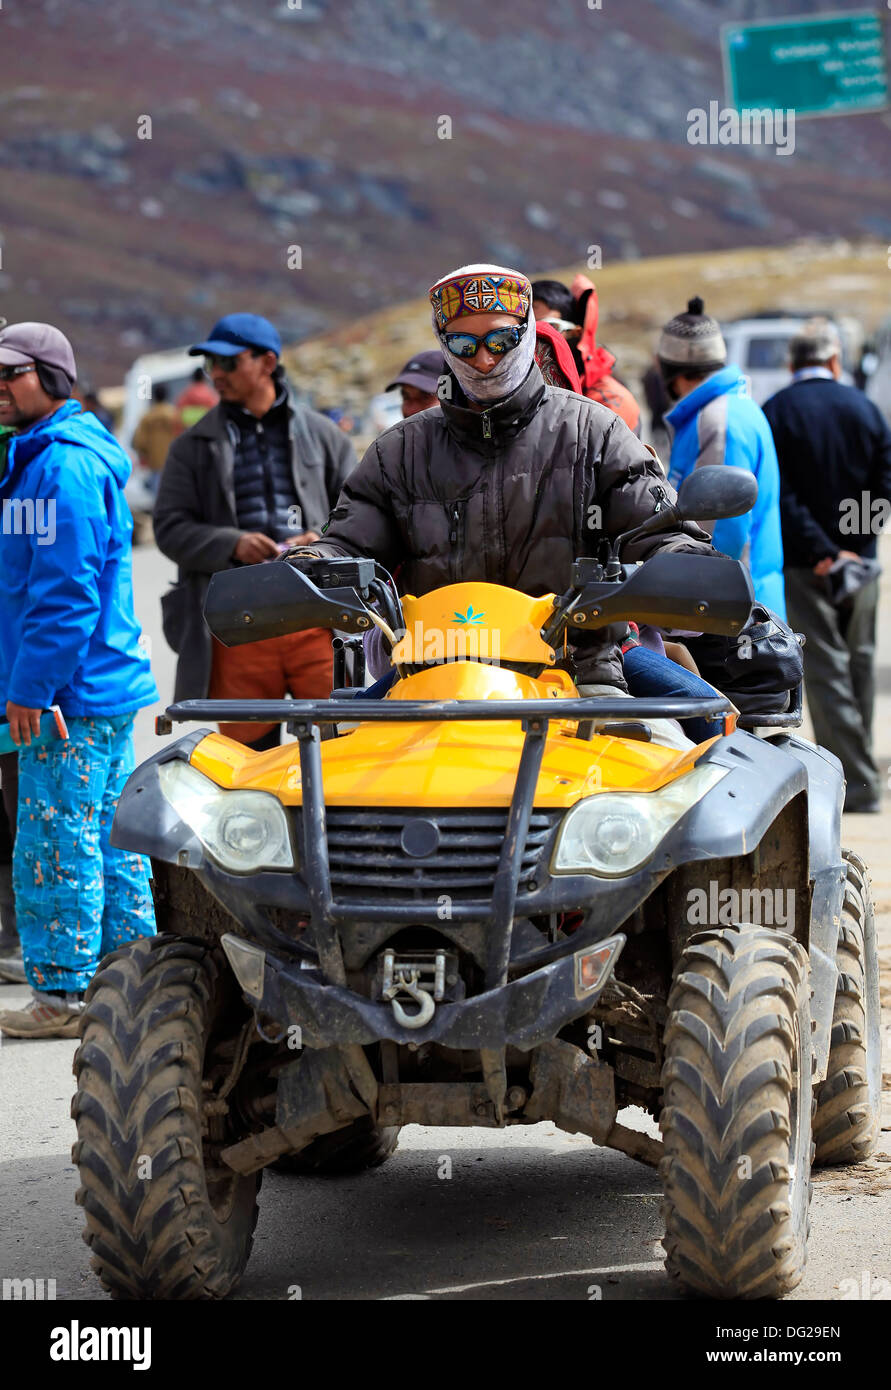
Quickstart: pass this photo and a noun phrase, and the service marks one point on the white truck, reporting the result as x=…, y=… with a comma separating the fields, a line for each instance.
x=759, y=346
x=174, y=369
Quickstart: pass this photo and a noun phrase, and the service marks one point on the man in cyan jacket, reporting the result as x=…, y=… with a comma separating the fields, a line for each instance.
x=716, y=421
x=68, y=636
x=258, y=472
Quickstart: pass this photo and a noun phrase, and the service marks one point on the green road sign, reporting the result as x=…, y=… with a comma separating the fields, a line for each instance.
x=829, y=65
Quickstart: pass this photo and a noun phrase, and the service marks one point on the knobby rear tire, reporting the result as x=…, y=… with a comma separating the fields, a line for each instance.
x=736, y=1121
x=849, y=1099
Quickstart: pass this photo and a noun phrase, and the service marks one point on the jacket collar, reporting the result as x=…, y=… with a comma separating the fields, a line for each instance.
x=729, y=381
x=503, y=419
x=812, y=374
x=22, y=447
x=213, y=424
x=238, y=415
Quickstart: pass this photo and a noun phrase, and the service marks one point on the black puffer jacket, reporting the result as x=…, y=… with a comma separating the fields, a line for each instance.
x=511, y=495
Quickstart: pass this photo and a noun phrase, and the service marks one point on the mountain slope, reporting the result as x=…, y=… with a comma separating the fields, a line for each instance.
x=318, y=128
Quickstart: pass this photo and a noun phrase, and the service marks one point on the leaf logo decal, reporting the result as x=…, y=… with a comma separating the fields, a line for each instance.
x=469, y=618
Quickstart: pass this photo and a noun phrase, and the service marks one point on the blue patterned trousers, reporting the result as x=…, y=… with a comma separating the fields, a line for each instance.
x=77, y=898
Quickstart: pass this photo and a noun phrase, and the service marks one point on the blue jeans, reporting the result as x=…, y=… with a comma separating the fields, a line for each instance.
x=649, y=673
x=379, y=689
x=77, y=898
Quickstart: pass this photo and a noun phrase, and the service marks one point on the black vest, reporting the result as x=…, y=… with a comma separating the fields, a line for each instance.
x=265, y=496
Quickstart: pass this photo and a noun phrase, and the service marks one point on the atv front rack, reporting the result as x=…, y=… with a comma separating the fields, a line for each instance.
x=303, y=718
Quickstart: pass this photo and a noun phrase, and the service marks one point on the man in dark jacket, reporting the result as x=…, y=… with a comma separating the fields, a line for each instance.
x=256, y=473
x=834, y=449
x=510, y=480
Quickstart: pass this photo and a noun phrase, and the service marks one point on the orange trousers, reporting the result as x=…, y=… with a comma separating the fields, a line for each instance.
x=300, y=664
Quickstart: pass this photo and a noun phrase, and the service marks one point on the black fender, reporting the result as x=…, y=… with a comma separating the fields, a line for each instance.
x=145, y=822
x=826, y=790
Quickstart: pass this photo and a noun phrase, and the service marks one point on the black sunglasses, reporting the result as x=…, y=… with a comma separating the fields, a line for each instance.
x=499, y=341
x=225, y=364
x=7, y=373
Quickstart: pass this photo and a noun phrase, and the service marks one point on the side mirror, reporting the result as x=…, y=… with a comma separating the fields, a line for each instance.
x=715, y=491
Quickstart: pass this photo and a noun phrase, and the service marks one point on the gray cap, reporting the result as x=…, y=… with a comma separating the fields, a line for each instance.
x=816, y=341
x=423, y=370
x=692, y=339
x=36, y=342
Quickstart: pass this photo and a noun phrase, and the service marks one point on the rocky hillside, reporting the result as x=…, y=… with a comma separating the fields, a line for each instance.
x=164, y=163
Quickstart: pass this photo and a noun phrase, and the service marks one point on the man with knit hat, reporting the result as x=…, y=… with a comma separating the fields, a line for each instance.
x=716, y=421
x=510, y=480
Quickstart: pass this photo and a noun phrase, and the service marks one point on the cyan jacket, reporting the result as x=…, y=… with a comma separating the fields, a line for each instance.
x=68, y=633
x=718, y=422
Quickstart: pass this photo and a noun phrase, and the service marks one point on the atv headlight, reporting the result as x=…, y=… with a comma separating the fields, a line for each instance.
x=243, y=830
x=613, y=833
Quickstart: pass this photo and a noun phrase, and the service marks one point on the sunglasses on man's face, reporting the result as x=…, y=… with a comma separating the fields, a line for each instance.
x=225, y=364
x=498, y=342
x=7, y=373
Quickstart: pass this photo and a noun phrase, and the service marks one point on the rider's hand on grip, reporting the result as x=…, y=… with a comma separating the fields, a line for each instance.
x=298, y=554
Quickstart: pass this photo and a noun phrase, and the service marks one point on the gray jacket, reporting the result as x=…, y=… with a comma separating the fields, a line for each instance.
x=195, y=519
x=511, y=495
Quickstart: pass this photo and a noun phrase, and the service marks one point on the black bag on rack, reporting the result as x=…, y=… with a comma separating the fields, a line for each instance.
x=757, y=668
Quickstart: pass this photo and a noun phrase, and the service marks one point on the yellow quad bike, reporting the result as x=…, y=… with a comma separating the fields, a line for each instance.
x=481, y=900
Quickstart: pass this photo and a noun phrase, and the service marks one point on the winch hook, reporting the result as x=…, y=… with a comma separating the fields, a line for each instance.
x=421, y=997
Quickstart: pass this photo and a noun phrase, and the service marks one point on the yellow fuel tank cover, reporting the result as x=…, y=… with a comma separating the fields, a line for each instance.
x=474, y=622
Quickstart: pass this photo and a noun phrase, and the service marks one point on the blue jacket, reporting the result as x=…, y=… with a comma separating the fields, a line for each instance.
x=718, y=422
x=68, y=634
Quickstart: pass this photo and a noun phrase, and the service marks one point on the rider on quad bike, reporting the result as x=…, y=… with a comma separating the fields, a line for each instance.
x=493, y=896
x=510, y=481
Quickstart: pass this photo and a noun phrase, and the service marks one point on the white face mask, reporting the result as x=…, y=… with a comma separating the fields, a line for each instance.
x=504, y=378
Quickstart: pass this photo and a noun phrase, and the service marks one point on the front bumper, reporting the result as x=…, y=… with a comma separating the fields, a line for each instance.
x=522, y=1013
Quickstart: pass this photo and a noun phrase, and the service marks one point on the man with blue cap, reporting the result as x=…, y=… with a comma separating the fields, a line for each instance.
x=257, y=473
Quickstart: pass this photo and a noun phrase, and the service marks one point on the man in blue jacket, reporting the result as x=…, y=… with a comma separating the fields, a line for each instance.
x=68, y=636
x=716, y=421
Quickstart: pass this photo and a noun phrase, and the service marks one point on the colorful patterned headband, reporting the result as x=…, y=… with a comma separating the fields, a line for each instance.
x=479, y=293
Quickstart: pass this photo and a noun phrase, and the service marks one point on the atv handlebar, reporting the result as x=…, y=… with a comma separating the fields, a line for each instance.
x=671, y=590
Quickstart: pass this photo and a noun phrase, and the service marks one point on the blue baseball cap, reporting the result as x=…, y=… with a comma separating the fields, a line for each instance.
x=235, y=332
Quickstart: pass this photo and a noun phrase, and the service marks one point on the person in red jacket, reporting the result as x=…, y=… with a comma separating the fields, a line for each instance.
x=196, y=400
x=554, y=357
x=594, y=364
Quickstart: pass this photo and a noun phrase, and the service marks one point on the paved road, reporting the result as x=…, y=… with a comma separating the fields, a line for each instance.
x=528, y=1214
